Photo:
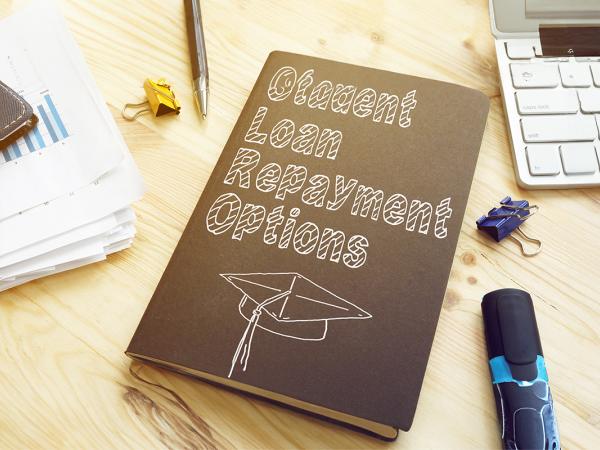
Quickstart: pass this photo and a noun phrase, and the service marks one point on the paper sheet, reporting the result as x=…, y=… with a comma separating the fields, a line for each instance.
x=114, y=191
x=101, y=226
x=58, y=269
x=115, y=240
x=73, y=143
x=77, y=250
x=72, y=180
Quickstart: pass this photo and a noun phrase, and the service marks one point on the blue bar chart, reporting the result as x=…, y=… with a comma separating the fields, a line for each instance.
x=50, y=129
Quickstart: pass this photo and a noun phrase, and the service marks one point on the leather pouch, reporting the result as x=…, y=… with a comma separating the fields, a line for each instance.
x=16, y=116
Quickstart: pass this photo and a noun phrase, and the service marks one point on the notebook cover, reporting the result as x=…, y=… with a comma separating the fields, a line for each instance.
x=332, y=298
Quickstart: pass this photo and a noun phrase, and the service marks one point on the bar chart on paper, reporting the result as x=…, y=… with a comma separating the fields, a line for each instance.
x=50, y=129
x=75, y=141
x=18, y=72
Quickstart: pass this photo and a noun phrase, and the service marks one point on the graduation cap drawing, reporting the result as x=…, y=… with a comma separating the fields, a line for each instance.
x=286, y=304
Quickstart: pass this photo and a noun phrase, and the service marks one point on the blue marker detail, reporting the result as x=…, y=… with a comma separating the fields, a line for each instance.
x=501, y=371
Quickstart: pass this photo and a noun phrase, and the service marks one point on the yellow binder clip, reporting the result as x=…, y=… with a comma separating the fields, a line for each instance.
x=160, y=101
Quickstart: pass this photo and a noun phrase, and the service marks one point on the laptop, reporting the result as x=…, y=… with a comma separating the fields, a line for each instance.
x=552, y=103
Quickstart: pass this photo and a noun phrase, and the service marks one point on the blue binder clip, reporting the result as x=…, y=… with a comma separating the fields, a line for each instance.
x=500, y=222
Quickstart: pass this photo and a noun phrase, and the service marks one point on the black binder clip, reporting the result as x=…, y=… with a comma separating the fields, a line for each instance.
x=500, y=222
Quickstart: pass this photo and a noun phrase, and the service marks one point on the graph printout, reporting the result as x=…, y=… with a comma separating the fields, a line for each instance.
x=74, y=142
x=51, y=129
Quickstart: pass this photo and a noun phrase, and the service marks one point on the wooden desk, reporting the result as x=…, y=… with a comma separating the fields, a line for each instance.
x=64, y=380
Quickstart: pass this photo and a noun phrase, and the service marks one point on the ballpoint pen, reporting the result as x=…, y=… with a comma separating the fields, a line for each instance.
x=197, y=54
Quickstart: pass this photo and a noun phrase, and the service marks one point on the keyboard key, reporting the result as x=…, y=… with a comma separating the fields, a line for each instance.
x=518, y=50
x=590, y=100
x=559, y=128
x=578, y=159
x=547, y=101
x=575, y=74
x=543, y=159
x=537, y=75
x=596, y=73
x=598, y=121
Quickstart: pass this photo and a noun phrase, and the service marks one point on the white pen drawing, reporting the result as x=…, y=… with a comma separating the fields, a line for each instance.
x=293, y=306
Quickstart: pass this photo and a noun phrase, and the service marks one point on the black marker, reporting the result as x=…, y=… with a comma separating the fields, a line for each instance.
x=519, y=378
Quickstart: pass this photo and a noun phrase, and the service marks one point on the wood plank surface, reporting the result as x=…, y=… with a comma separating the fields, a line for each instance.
x=64, y=380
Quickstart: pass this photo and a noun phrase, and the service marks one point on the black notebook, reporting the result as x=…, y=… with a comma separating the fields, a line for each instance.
x=313, y=269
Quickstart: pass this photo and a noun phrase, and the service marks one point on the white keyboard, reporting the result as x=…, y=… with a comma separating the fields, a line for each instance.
x=553, y=112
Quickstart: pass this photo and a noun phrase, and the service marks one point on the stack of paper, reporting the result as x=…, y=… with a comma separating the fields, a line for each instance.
x=66, y=187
